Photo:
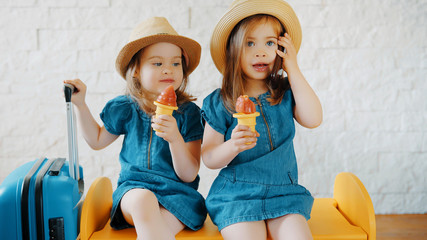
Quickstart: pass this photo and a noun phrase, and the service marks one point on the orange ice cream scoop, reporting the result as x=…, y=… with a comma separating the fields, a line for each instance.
x=166, y=102
x=246, y=114
x=167, y=97
x=245, y=105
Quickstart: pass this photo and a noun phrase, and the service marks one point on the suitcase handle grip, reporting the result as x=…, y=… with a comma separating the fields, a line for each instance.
x=72, y=139
x=68, y=91
x=56, y=167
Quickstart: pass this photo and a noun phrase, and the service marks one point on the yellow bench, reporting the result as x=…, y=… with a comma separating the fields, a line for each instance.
x=348, y=215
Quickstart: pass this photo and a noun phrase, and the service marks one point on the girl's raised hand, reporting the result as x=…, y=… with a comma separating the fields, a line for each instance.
x=79, y=95
x=242, y=138
x=290, y=55
x=166, y=128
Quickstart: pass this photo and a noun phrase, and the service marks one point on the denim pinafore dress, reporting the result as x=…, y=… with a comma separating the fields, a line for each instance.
x=146, y=161
x=260, y=183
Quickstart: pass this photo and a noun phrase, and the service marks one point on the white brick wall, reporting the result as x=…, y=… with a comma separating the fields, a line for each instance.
x=366, y=59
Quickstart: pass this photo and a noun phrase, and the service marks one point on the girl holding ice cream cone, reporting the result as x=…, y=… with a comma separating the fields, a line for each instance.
x=157, y=188
x=256, y=193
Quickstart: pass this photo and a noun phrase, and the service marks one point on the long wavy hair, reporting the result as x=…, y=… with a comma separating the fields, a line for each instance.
x=233, y=82
x=142, y=96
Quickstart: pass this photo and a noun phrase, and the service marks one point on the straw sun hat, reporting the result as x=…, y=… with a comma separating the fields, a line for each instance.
x=155, y=30
x=241, y=9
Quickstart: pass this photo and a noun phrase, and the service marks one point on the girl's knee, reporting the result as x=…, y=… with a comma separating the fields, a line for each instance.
x=140, y=197
x=140, y=203
x=245, y=230
x=291, y=226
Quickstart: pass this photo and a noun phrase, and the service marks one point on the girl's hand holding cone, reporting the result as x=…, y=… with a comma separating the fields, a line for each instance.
x=166, y=127
x=166, y=104
x=242, y=138
x=246, y=114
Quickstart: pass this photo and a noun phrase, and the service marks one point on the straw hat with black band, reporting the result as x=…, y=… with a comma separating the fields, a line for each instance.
x=155, y=30
x=241, y=9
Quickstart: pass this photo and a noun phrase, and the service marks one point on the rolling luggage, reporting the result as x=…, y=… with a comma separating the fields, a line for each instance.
x=42, y=199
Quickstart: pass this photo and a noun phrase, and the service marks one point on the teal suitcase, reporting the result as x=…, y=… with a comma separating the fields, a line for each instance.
x=41, y=199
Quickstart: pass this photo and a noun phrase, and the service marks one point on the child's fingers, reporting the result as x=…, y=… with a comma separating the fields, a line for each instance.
x=164, y=120
x=156, y=120
x=285, y=38
x=287, y=44
x=159, y=128
x=77, y=83
x=250, y=140
x=240, y=128
x=243, y=134
x=245, y=137
x=248, y=134
x=280, y=53
x=282, y=43
x=72, y=82
x=167, y=118
x=252, y=145
x=165, y=124
x=159, y=132
x=246, y=143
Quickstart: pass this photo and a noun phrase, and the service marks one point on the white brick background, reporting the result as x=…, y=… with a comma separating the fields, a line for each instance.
x=366, y=59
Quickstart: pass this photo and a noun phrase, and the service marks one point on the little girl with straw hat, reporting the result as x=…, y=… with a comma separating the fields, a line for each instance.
x=257, y=193
x=157, y=187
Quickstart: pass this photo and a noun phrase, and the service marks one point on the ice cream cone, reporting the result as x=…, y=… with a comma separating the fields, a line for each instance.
x=163, y=110
x=247, y=120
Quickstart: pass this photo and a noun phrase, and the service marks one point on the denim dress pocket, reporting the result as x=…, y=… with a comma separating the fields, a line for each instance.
x=218, y=185
x=291, y=178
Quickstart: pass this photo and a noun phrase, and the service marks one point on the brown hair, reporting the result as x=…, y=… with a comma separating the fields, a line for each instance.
x=145, y=98
x=233, y=82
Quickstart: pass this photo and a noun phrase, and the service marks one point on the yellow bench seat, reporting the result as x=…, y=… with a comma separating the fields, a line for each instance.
x=349, y=215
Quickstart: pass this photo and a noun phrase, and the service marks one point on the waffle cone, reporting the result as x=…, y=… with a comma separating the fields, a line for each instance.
x=163, y=110
x=247, y=119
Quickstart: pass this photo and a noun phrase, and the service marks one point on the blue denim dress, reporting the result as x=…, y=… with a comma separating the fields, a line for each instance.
x=260, y=183
x=146, y=160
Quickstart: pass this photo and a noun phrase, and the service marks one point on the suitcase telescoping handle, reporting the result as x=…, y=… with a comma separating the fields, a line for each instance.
x=72, y=140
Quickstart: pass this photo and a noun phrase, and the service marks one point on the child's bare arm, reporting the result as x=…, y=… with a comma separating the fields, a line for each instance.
x=186, y=159
x=185, y=156
x=308, y=110
x=217, y=154
x=97, y=137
